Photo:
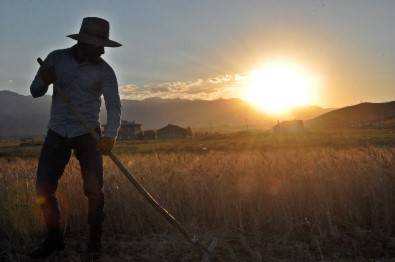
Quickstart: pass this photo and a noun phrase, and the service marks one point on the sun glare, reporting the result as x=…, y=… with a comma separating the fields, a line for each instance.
x=277, y=87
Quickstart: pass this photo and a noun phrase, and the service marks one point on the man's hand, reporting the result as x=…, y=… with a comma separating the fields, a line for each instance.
x=105, y=145
x=48, y=75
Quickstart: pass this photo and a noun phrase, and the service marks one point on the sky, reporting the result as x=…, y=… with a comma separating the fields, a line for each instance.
x=200, y=49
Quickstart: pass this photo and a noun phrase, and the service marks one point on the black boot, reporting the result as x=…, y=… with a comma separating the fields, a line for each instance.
x=53, y=242
x=94, y=246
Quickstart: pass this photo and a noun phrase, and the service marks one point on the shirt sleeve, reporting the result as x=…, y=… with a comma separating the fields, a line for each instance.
x=112, y=102
x=38, y=87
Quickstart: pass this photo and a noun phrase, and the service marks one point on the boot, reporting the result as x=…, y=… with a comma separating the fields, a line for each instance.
x=53, y=242
x=94, y=246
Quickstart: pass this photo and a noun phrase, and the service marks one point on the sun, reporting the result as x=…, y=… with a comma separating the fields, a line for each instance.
x=277, y=87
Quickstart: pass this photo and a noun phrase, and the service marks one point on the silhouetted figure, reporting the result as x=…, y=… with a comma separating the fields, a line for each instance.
x=84, y=77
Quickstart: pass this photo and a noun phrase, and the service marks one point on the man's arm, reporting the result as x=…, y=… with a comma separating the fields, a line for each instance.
x=113, y=107
x=44, y=77
x=112, y=103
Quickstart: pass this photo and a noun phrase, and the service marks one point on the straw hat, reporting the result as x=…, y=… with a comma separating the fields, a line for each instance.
x=95, y=31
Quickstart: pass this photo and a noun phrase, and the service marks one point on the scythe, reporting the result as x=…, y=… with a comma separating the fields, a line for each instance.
x=166, y=214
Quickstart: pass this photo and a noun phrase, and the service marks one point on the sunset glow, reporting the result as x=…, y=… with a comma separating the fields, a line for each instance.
x=277, y=87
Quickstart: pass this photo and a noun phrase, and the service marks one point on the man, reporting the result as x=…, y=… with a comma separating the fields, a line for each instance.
x=84, y=77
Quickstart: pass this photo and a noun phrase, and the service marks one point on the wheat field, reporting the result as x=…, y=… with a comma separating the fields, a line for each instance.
x=300, y=204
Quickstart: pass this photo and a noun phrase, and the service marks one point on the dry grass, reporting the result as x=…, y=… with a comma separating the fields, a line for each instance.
x=300, y=204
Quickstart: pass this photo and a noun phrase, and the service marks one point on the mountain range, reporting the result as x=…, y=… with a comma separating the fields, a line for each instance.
x=363, y=115
x=27, y=116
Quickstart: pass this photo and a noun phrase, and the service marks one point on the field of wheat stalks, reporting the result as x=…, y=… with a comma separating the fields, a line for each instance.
x=300, y=204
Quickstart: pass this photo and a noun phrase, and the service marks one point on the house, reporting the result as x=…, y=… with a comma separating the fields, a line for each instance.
x=173, y=131
x=129, y=131
x=149, y=135
x=289, y=127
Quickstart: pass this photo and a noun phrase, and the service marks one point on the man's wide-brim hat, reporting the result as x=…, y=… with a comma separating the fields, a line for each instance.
x=95, y=31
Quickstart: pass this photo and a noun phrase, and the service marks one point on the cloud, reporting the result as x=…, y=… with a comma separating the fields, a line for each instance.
x=207, y=89
x=220, y=79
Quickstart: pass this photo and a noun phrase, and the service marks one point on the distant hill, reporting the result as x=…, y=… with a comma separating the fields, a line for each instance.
x=362, y=115
x=23, y=115
x=27, y=116
x=222, y=114
x=154, y=113
x=308, y=112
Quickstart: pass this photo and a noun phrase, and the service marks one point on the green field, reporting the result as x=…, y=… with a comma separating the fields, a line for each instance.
x=309, y=197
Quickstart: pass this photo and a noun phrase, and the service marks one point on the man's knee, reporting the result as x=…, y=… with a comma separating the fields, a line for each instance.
x=45, y=191
x=93, y=183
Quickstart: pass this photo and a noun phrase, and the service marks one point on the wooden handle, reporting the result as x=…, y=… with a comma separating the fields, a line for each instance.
x=41, y=62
